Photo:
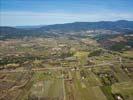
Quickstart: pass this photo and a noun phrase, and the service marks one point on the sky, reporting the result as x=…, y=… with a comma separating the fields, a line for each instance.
x=45, y=12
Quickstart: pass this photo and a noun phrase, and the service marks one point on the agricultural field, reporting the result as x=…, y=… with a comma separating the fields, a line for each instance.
x=66, y=49
x=63, y=69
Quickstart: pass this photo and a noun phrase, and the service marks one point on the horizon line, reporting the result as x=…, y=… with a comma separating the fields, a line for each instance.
x=62, y=23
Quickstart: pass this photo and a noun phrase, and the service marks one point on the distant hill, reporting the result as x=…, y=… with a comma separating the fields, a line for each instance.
x=29, y=26
x=121, y=26
x=77, y=26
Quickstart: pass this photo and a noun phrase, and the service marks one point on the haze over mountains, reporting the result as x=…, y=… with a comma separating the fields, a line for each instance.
x=119, y=26
x=29, y=26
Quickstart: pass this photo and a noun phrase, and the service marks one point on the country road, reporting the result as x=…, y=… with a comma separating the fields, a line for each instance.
x=58, y=68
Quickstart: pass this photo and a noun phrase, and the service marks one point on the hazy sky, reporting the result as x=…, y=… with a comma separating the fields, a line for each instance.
x=43, y=12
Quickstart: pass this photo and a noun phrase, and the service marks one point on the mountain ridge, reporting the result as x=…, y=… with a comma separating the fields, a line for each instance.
x=120, y=26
